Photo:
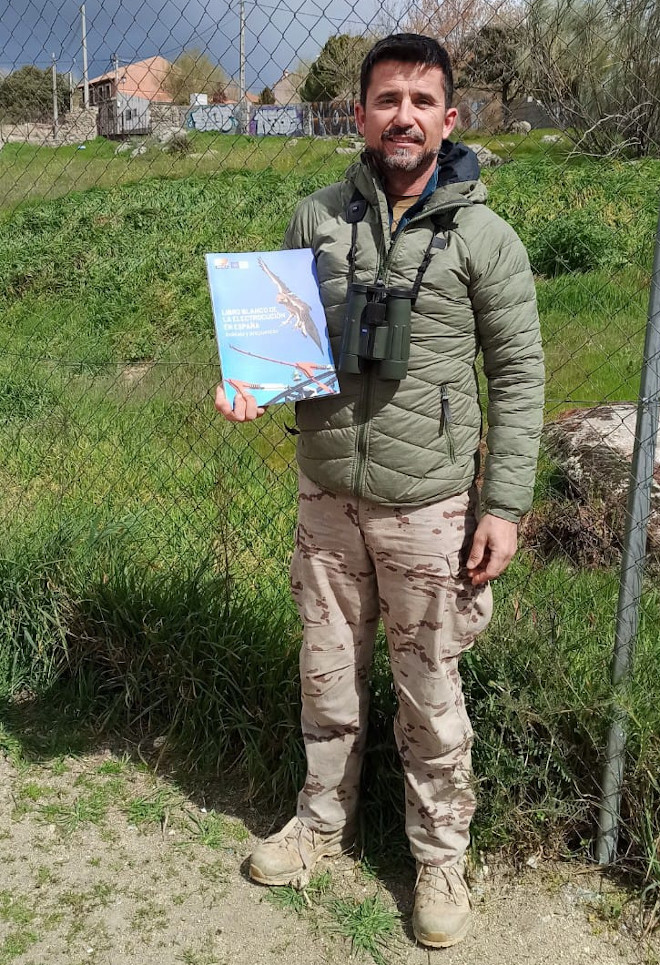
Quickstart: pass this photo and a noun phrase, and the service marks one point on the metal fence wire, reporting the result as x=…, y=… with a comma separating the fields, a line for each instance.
x=145, y=542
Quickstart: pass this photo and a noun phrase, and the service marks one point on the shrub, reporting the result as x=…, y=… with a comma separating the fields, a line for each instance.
x=575, y=242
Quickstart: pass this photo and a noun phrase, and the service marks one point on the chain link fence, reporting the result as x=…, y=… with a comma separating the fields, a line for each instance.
x=145, y=542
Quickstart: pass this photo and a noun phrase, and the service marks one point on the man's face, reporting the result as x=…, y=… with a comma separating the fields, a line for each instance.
x=404, y=119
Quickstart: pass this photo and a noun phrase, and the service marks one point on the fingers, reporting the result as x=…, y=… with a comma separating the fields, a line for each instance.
x=244, y=409
x=493, y=547
x=492, y=565
x=479, y=542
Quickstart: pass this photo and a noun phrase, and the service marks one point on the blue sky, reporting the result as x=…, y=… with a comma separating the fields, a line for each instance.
x=278, y=32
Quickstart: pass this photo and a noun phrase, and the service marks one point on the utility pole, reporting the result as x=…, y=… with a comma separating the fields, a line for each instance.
x=70, y=91
x=84, y=54
x=55, y=115
x=242, y=105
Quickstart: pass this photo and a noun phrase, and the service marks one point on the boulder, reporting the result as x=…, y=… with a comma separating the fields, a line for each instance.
x=519, y=127
x=486, y=157
x=551, y=138
x=593, y=450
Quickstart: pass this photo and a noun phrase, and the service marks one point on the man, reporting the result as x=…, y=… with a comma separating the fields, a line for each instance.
x=388, y=521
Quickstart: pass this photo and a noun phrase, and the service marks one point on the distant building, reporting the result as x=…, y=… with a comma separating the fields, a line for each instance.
x=231, y=92
x=286, y=90
x=124, y=96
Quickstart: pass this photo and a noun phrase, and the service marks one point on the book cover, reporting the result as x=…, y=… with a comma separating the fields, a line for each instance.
x=270, y=325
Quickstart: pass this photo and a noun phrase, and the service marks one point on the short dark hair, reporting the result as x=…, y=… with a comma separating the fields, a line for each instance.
x=412, y=49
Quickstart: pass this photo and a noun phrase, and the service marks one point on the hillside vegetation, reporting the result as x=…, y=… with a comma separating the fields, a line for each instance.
x=145, y=542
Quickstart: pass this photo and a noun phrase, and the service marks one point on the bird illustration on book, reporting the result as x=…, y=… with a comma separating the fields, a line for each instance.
x=299, y=311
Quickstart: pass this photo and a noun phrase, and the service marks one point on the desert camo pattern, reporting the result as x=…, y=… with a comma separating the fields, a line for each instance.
x=354, y=562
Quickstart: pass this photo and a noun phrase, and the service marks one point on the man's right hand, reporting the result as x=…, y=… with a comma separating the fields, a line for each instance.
x=245, y=408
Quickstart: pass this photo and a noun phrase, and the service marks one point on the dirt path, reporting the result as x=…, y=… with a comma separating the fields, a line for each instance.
x=103, y=863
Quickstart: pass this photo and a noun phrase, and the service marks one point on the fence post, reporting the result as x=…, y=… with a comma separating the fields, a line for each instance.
x=632, y=568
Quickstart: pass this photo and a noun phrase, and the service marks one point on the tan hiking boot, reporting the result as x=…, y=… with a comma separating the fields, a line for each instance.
x=288, y=857
x=442, y=906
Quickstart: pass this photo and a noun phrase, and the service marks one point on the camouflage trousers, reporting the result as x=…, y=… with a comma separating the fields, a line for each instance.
x=355, y=561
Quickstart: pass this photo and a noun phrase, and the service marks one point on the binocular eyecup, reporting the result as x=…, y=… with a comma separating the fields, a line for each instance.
x=376, y=331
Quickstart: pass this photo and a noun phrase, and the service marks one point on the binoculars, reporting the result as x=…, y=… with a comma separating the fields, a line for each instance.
x=376, y=331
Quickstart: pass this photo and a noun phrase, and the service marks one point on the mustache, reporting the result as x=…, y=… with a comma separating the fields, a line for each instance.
x=396, y=131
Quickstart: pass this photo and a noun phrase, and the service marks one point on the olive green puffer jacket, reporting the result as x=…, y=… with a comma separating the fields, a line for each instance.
x=416, y=441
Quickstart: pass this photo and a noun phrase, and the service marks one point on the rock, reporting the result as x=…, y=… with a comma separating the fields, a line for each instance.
x=593, y=449
x=136, y=152
x=292, y=142
x=551, y=139
x=486, y=157
x=345, y=150
x=519, y=127
x=121, y=148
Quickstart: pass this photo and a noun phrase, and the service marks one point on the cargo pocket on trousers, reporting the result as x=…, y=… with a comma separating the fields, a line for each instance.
x=468, y=609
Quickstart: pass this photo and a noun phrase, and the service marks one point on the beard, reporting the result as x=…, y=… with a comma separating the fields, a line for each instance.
x=403, y=158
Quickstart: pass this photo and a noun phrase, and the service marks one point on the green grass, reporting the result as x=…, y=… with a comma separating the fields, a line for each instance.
x=30, y=172
x=369, y=925
x=143, y=572
x=300, y=900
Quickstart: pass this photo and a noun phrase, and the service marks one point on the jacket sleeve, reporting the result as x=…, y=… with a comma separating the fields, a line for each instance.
x=299, y=230
x=504, y=304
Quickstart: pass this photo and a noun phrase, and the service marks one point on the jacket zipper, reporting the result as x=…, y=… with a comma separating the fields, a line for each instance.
x=447, y=422
x=363, y=408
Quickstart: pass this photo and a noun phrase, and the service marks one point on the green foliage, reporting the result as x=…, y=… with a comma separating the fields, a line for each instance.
x=27, y=95
x=597, y=64
x=369, y=925
x=266, y=96
x=497, y=59
x=336, y=70
x=574, y=242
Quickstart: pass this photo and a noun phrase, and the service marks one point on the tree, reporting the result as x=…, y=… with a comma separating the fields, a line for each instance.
x=496, y=58
x=596, y=69
x=336, y=70
x=266, y=96
x=452, y=23
x=27, y=95
x=193, y=72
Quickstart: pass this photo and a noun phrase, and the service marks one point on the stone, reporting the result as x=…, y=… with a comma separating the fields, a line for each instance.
x=593, y=448
x=519, y=127
x=345, y=150
x=136, y=152
x=551, y=139
x=486, y=157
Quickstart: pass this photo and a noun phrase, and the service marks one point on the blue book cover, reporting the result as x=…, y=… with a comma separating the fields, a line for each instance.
x=270, y=325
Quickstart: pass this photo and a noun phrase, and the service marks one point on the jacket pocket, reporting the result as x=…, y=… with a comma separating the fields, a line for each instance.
x=446, y=422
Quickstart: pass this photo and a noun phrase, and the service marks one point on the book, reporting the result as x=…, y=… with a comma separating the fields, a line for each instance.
x=270, y=326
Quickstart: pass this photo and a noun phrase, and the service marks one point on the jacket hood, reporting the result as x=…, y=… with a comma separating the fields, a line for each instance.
x=458, y=174
x=456, y=163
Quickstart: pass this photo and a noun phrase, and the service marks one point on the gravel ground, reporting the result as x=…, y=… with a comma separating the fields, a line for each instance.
x=104, y=863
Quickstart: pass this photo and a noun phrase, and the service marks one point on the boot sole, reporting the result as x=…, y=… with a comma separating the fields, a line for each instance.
x=287, y=879
x=447, y=943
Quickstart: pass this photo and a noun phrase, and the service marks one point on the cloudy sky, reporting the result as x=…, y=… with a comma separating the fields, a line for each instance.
x=278, y=32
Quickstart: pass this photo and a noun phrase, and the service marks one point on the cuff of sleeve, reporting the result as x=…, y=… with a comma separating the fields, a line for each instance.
x=507, y=514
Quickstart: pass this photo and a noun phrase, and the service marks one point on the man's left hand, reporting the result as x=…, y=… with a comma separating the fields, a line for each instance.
x=494, y=543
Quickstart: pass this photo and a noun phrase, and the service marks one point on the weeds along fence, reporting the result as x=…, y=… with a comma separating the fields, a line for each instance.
x=145, y=542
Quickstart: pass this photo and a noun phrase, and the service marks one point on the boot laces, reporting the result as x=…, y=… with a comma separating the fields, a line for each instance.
x=298, y=836
x=445, y=882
